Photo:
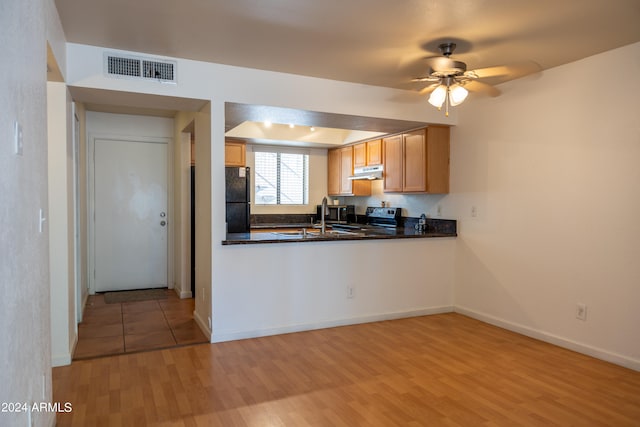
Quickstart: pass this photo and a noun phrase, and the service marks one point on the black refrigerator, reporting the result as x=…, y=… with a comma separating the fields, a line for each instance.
x=237, y=195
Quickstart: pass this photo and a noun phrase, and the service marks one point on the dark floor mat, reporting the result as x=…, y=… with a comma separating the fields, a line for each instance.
x=137, y=295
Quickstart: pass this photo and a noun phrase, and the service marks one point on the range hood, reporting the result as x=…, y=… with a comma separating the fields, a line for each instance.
x=367, y=172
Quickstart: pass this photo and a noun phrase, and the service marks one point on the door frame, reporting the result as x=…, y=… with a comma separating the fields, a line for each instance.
x=91, y=254
x=80, y=295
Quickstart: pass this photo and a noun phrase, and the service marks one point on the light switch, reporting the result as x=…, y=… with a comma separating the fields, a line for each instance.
x=17, y=136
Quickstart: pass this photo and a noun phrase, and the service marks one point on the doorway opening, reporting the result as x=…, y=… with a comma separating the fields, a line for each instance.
x=192, y=217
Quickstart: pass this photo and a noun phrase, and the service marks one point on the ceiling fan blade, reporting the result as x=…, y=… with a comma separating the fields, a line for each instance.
x=426, y=79
x=510, y=71
x=439, y=63
x=476, y=86
x=429, y=88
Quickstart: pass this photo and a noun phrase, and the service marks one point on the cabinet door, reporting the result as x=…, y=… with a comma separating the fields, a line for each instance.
x=438, y=159
x=234, y=153
x=346, y=169
x=415, y=162
x=392, y=158
x=333, y=177
x=360, y=155
x=374, y=152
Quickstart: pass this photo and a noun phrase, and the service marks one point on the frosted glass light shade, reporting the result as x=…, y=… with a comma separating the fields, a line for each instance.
x=438, y=96
x=457, y=94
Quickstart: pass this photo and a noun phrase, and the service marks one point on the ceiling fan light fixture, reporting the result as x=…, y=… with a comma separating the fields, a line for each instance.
x=457, y=95
x=438, y=96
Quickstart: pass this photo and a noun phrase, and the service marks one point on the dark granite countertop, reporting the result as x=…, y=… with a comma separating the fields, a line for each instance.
x=296, y=236
x=263, y=226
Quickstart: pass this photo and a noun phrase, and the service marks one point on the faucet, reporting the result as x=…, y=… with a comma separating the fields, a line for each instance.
x=322, y=214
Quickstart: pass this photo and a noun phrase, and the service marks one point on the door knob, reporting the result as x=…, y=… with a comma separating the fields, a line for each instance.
x=163, y=223
x=162, y=214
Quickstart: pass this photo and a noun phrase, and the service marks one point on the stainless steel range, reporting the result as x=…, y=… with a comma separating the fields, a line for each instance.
x=384, y=217
x=378, y=221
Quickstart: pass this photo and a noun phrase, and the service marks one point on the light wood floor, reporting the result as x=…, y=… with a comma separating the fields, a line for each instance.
x=441, y=370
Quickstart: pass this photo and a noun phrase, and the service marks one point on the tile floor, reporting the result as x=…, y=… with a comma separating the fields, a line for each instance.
x=128, y=327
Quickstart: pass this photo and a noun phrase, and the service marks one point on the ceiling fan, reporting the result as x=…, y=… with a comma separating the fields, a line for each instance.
x=451, y=82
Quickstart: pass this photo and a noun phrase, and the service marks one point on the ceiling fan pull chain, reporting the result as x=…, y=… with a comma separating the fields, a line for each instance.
x=446, y=105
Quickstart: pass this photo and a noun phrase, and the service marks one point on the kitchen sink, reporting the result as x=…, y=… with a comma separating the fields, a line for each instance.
x=314, y=233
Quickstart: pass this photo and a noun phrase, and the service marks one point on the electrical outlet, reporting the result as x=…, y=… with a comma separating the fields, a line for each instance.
x=41, y=220
x=581, y=311
x=17, y=139
x=351, y=291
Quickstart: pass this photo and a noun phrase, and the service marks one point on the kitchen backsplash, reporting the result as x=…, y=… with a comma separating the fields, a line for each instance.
x=413, y=205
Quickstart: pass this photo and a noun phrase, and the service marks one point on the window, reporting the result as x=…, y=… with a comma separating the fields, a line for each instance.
x=281, y=178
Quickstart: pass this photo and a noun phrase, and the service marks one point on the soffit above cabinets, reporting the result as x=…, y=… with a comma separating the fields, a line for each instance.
x=329, y=129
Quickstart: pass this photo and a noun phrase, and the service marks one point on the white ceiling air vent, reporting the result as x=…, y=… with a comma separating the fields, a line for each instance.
x=139, y=68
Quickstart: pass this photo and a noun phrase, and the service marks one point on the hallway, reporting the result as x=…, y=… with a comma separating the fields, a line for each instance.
x=128, y=327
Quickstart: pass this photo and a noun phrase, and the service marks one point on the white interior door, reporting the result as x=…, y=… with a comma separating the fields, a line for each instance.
x=130, y=202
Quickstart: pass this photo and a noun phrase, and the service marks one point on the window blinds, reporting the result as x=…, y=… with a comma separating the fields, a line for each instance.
x=281, y=178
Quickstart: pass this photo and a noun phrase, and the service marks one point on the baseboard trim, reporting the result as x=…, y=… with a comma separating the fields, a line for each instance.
x=181, y=293
x=60, y=360
x=65, y=358
x=239, y=335
x=598, y=353
x=202, y=324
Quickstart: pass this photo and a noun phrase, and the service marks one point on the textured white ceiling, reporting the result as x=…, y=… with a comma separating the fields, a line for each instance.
x=377, y=42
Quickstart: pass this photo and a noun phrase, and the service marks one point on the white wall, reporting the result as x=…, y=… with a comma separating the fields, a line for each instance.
x=205, y=156
x=545, y=166
x=552, y=169
x=221, y=84
x=61, y=227
x=277, y=288
x=25, y=353
x=184, y=127
x=83, y=203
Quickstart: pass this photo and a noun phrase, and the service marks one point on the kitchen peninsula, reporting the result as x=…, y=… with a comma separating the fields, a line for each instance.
x=282, y=233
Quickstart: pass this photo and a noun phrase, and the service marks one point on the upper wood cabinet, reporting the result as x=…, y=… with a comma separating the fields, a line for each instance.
x=360, y=155
x=367, y=153
x=374, y=152
x=234, y=153
x=334, y=166
x=392, y=160
x=340, y=168
x=418, y=161
x=346, y=169
x=414, y=173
